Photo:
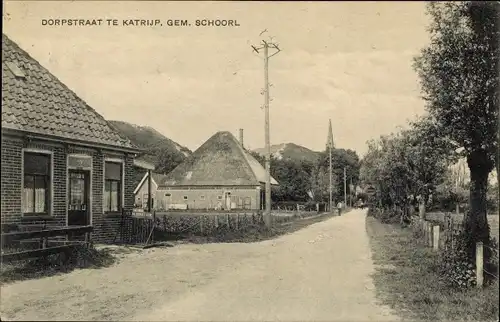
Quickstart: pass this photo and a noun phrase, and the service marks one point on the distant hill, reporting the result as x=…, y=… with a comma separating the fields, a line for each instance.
x=290, y=151
x=164, y=153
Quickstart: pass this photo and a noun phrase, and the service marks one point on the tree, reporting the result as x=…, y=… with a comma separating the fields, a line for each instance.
x=405, y=165
x=429, y=155
x=372, y=168
x=341, y=158
x=293, y=177
x=459, y=81
x=453, y=191
x=320, y=183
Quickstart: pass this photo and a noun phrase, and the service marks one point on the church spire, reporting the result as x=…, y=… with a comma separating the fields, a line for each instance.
x=329, y=141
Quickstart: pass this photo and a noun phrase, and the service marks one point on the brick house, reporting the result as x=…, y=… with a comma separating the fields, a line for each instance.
x=62, y=163
x=220, y=174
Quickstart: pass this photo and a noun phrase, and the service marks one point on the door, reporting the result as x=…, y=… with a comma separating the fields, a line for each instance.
x=78, y=198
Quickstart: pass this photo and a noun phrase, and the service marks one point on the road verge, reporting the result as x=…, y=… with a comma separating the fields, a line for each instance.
x=407, y=279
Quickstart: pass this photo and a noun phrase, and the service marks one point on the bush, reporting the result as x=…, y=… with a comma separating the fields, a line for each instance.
x=386, y=216
x=458, y=267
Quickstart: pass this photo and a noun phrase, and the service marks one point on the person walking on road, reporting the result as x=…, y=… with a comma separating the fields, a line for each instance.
x=339, y=207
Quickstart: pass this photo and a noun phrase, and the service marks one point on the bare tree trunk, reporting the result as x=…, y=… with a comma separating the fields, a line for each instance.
x=475, y=222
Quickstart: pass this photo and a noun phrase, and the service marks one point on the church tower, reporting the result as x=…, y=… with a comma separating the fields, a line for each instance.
x=329, y=140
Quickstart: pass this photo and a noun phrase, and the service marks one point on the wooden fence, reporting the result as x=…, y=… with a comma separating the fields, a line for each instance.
x=144, y=229
x=12, y=242
x=444, y=236
x=136, y=228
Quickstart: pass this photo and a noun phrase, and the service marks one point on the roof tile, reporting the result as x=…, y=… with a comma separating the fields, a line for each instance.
x=40, y=103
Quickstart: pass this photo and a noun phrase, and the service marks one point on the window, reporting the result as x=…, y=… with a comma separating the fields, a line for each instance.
x=36, y=183
x=202, y=197
x=219, y=197
x=15, y=70
x=146, y=199
x=185, y=197
x=113, y=186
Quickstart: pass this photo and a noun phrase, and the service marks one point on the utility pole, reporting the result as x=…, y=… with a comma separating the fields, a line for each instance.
x=329, y=144
x=345, y=187
x=265, y=45
x=350, y=192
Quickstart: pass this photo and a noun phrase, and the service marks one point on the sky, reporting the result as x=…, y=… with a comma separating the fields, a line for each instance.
x=350, y=62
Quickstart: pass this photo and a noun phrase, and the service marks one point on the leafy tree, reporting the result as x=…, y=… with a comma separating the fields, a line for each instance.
x=459, y=81
x=293, y=176
x=166, y=160
x=341, y=158
x=405, y=165
x=293, y=179
x=257, y=157
x=320, y=183
x=429, y=155
x=303, y=180
x=452, y=192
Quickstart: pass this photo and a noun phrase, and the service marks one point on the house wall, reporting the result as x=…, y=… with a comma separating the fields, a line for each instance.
x=105, y=225
x=195, y=200
x=139, y=196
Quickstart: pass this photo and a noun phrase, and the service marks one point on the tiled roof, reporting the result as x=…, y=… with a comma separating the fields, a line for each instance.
x=41, y=104
x=220, y=161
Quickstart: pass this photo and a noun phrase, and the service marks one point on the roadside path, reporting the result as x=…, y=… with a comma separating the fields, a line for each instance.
x=320, y=273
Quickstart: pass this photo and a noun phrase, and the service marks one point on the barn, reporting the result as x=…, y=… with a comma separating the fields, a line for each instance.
x=220, y=175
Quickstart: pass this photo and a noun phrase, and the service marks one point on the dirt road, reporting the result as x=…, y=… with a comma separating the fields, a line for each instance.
x=321, y=272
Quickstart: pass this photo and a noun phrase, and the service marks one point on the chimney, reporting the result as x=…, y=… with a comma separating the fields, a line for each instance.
x=241, y=137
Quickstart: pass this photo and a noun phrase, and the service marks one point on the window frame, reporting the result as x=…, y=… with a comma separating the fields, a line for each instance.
x=121, y=197
x=49, y=205
x=144, y=202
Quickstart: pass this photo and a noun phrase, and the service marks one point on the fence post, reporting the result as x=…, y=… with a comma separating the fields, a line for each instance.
x=429, y=234
x=201, y=224
x=425, y=231
x=227, y=221
x=237, y=221
x=436, y=238
x=479, y=264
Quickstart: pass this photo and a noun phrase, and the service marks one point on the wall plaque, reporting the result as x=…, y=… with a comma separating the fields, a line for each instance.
x=80, y=161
